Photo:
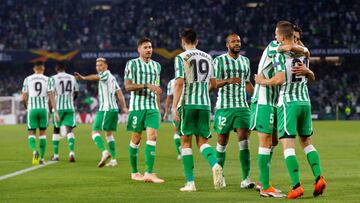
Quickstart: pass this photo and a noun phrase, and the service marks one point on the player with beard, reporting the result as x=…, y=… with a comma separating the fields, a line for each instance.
x=232, y=111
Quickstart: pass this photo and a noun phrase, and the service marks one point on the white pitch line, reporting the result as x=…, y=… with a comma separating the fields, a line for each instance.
x=26, y=170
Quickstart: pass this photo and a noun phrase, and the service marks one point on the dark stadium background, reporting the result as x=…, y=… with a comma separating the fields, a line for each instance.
x=77, y=32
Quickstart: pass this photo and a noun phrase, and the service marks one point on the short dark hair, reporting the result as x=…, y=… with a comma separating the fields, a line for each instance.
x=231, y=34
x=143, y=40
x=60, y=65
x=297, y=29
x=189, y=35
x=286, y=28
x=38, y=63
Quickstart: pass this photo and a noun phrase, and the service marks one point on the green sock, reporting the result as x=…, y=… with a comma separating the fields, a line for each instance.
x=188, y=163
x=71, y=141
x=56, y=141
x=133, y=151
x=221, y=154
x=32, y=142
x=209, y=153
x=263, y=163
x=99, y=142
x=112, y=146
x=42, y=145
x=150, y=155
x=271, y=153
x=313, y=159
x=177, y=142
x=292, y=165
x=244, y=156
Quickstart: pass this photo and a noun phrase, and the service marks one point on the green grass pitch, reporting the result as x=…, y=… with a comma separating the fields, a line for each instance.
x=337, y=142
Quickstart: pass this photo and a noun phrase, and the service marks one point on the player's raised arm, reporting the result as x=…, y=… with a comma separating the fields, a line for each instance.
x=92, y=77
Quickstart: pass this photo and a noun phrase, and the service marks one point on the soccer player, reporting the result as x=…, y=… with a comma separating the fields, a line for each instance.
x=194, y=74
x=106, y=118
x=142, y=79
x=232, y=111
x=35, y=97
x=66, y=89
x=294, y=110
x=177, y=139
x=263, y=114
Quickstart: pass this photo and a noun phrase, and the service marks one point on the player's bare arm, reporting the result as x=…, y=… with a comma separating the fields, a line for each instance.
x=178, y=89
x=213, y=84
x=278, y=79
x=130, y=86
x=301, y=69
x=121, y=100
x=91, y=77
x=53, y=104
x=222, y=83
x=24, y=99
x=167, y=107
x=249, y=87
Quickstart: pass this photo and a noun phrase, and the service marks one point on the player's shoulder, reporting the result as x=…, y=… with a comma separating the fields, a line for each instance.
x=133, y=61
x=244, y=58
x=220, y=57
x=273, y=44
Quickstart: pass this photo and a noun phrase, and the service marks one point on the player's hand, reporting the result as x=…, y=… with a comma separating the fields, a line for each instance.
x=259, y=79
x=125, y=110
x=300, y=69
x=156, y=89
x=235, y=80
x=166, y=116
x=175, y=114
x=78, y=76
x=56, y=117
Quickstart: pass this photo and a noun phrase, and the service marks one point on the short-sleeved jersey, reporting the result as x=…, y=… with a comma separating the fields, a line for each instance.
x=140, y=72
x=64, y=86
x=196, y=67
x=107, y=91
x=170, y=87
x=267, y=95
x=295, y=87
x=36, y=86
x=232, y=95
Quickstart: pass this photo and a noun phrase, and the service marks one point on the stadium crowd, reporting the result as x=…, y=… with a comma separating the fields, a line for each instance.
x=66, y=24
x=337, y=88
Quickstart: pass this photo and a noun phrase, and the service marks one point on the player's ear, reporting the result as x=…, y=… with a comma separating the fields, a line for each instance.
x=196, y=42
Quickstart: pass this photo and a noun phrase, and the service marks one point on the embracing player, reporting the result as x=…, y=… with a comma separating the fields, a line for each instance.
x=294, y=110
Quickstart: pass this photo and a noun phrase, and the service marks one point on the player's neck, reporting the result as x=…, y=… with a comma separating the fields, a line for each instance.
x=146, y=60
x=288, y=42
x=189, y=46
x=39, y=72
x=234, y=55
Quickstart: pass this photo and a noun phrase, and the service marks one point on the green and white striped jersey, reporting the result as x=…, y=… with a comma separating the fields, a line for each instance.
x=143, y=73
x=295, y=87
x=196, y=67
x=267, y=95
x=232, y=95
x=36, y=86
x=64, y=85
x=170, y=87
x=107, y=91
